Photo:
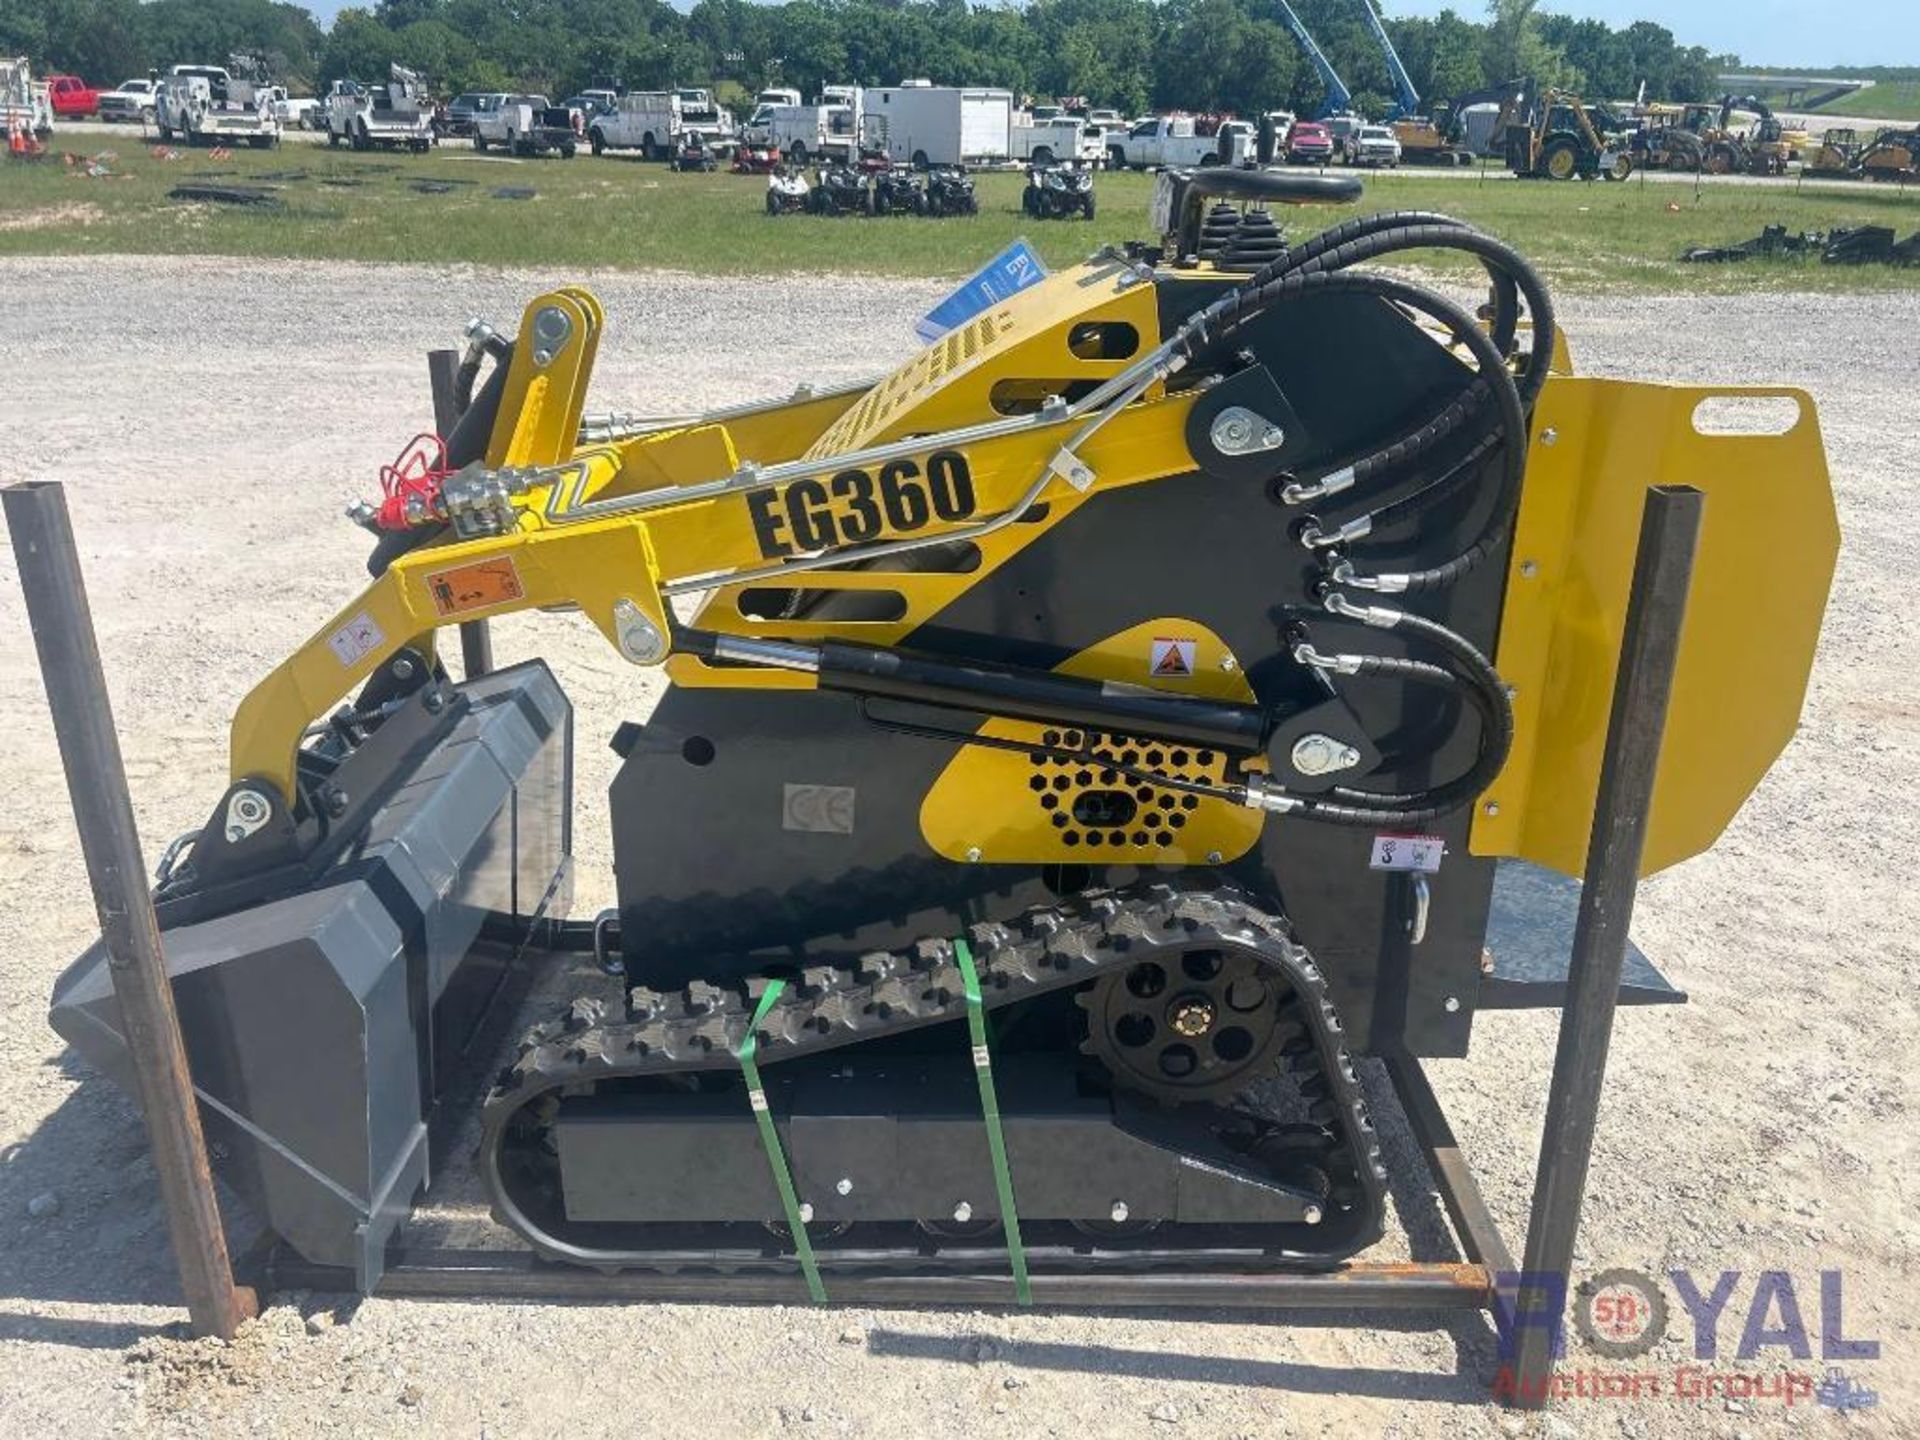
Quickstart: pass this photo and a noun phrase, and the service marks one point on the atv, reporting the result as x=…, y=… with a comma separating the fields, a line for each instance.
x=693, y=153
x=898, y=190
x=840, y=189
x=1055, y=192
x=788, y=192
x=950, y=192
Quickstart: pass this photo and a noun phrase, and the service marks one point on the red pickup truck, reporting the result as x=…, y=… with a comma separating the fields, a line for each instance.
x=72, y=97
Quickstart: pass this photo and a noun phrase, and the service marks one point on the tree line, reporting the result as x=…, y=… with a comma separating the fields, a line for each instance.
x=1203, y=55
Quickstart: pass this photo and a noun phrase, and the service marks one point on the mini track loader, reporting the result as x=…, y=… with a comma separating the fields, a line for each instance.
x=1084, y=743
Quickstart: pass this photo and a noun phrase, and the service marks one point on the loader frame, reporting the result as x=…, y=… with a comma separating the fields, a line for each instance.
x=1529, y=1302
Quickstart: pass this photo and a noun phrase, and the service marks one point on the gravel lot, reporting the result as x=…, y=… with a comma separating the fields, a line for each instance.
x=212, y=419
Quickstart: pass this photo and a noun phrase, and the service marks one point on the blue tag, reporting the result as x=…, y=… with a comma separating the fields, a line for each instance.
x=1008, y=273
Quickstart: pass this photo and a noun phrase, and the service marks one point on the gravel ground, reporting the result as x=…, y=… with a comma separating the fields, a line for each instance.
x=212, y=419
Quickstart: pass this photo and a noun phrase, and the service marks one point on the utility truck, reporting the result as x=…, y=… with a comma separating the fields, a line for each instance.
x=930, y=125
x=702, y=117
x=645, y=120
x=1055, y=138
x=217, y=104
x=394, y=116
x=831, y=128
x=1174, y=142
x=23, y=102
x=526, y=125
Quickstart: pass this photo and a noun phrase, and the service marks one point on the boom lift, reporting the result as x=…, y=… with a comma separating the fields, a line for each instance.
x=1338, y=100
x=1112, y=675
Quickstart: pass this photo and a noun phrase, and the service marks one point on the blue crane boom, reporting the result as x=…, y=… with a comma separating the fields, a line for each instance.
x=1406, y=98
x=1339, y=98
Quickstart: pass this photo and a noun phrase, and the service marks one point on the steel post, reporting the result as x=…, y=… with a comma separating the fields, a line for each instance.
x=69, y=654
x=476, y=640
x=1662, y=572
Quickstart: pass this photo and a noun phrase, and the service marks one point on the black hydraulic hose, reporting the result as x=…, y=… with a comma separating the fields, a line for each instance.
x=1481, y=688
x=1489, y=251
x=1225, y=316
x=1506, y=303
x=1349, y=806
x=1436, y=490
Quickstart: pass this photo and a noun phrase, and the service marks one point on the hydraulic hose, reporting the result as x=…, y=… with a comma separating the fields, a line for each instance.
x=1488, y=250
x=1223, y=318
x=1506, y=304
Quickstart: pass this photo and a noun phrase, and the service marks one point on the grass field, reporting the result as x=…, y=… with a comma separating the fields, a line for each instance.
x=1887, y=100
x=590, y=213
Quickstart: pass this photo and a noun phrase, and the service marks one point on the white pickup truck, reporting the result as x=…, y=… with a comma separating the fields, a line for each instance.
x=1057, y=138
x=1169, y=141
x=206, y=105
x=644, y=120
x=526, y=125
x=395, y=116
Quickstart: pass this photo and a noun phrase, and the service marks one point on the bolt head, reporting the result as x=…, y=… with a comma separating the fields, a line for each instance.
x=1118, y=1213
x=235, y=834
x=1312, y=1215
x=1492, y=807
x=1214, y=857
x=1452, y=1006
x=1528, y=569
x=962, y=1212
x=973, y=854
x=1549, y=436
x=402, y=668
x=1229, y=664
x=806, y=1213
x=843, y=1186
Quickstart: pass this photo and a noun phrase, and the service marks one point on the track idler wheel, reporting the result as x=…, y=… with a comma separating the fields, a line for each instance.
x=1199, y=1027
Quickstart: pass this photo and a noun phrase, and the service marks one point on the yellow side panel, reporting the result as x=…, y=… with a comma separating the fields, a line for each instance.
x=1768, y=543
x=994, y=806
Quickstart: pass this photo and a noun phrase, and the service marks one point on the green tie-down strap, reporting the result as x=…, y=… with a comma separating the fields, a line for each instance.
x=770, y=1137
x=990, y=1107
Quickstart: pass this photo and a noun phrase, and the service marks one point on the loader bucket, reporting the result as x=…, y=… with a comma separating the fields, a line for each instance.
x=324, y=1026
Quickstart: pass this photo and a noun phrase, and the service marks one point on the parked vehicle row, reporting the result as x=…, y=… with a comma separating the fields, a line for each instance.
x=871, y=187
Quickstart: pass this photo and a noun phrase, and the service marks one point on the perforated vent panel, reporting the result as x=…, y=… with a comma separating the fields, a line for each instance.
x=913, y=382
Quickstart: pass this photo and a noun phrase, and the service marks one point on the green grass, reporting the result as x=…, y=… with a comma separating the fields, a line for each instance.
x=1887, y=100
x=594, y=213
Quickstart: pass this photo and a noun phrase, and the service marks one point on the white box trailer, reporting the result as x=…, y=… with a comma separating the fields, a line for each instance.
x=939, y=124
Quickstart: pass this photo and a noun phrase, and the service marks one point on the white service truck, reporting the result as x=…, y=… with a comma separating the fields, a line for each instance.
x=645, y=120
x=24, y=105
x=701, y=117
x=394, y=116
x=927, y=124
x=829, y=129
x=210, y=105
x=1171, y=141
x=526, y=125
x=1057, y=139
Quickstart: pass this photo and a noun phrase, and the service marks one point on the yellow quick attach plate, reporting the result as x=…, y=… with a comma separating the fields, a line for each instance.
x=1768, y=543
x=1019, y=807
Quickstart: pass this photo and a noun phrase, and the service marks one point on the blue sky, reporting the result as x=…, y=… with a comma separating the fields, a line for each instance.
x=1760, y=32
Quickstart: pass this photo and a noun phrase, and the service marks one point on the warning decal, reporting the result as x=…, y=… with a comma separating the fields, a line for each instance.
x=475, y=586
x=359, y=637
x=1172, y=659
